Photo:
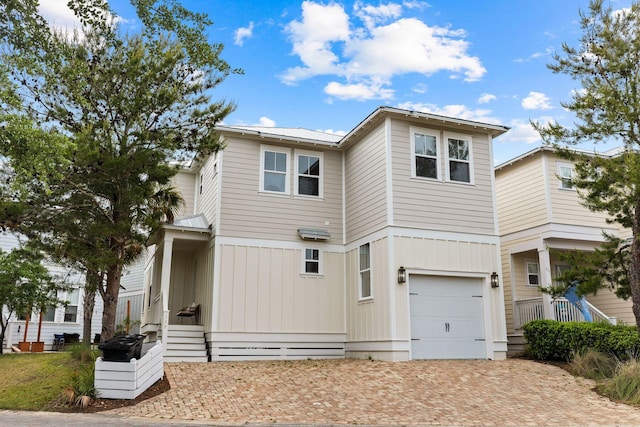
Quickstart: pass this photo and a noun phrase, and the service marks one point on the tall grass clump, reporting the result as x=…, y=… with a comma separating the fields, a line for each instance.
x=625, y=384
x=593, y=364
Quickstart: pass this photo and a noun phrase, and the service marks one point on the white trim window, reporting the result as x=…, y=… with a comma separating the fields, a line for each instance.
x=533, y=274
x=71, y=310
x=425, y=152
x=274, y=170
x=308, y=174
x=312, y=261
x=364, y=267
x=459, y=165
x=565, y=174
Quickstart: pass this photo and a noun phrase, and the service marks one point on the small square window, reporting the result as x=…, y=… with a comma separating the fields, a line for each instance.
x=312, y=261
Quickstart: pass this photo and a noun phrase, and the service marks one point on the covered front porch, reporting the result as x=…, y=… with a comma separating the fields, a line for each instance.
x=176, y=309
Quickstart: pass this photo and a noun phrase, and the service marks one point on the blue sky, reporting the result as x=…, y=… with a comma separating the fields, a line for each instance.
x=327, y=65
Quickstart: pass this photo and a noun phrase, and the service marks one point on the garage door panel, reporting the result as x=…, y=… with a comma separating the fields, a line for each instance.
x=447, y=318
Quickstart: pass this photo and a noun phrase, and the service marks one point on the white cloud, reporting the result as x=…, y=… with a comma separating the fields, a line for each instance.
x=414, y=4
x=420, y=88
x=328, y=42
x=535, y=55
x=243, y=33
x=266, y=122
x=522, y=131
x=58, y=14
x=358, y=91
x=485, y=98
x=333, y=132
x=536, y=101
x=453, y=110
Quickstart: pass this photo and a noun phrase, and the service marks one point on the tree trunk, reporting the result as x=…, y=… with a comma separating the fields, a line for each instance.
x=635, y=266
x=3, y=330
x=110, y=299
x=93, y=279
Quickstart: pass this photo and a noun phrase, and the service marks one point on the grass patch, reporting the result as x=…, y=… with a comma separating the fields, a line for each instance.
x=35, y=381
x=593, y=364
x=625, y=384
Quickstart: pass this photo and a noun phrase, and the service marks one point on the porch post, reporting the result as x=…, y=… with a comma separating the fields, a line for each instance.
x=545, y=275
x=165, y=282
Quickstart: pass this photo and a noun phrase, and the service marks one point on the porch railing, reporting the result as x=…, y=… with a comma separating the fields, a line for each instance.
x=563, y=311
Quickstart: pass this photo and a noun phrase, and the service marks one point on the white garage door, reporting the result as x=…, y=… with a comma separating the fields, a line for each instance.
x=447, y=318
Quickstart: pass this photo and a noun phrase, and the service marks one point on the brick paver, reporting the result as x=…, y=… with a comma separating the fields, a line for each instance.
x=465, y=393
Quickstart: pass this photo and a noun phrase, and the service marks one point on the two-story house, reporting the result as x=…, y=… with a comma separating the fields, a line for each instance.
x=382, y=243
x=539, y=214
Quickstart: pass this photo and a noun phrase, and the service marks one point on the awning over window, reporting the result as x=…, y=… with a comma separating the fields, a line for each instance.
x=313, y=234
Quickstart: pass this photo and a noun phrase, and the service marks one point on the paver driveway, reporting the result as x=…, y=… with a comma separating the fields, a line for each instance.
x=479, y=393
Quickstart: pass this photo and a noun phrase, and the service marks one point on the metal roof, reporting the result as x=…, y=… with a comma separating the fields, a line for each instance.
x=294, y=134
x=313, y=234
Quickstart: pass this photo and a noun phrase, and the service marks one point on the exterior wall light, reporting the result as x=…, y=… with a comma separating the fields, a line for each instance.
x=402, y=275
x=495, y=282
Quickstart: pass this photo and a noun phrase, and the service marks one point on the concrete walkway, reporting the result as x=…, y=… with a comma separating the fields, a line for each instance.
x=452, y=393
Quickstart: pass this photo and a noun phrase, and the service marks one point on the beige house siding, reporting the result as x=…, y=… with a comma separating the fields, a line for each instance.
x=246, y=212
x=566, y=205
x=520, y=195
x=262, y=290
x=436, y=205
x=365, y=185
x=607, y=302
x=370, y=319
x=204, y=284
x=207, y=179
x=185, y=182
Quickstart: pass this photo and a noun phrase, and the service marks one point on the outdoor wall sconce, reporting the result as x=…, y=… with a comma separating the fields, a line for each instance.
x=402, y=275
x=494, y=280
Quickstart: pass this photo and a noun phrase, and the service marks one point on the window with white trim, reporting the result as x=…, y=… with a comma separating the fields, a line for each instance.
x=71, y=310
x=533, y=274
x=425, y=154
x=312, y=261
x=459, y=167
x=274, y=170
x=49, y=314
x=364, y=253
x=565, y=173
x=308, y=174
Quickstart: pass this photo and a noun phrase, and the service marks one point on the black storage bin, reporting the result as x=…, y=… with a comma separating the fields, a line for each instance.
x=122, y=348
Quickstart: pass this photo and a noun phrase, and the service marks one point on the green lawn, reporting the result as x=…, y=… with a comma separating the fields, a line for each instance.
x=34, y=381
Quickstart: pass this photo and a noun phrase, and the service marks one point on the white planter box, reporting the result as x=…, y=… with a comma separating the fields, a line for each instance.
x=127, y=380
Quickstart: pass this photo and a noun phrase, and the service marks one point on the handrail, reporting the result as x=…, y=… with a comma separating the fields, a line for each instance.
x=529, y=309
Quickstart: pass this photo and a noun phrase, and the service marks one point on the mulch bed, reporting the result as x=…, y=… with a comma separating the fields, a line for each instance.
x=99, y=405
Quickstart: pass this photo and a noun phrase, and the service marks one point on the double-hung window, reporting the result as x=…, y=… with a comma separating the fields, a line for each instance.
x=311, y=261
x=71, y=310
x=308, y=174
x=425, y=154
x=533, y=274
x=365, y=271
x=459, y=159
x=274, y=177
x=565, y=172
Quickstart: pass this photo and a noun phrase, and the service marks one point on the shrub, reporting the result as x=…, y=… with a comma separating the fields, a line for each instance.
x=625, y=384
x=593, y=364
x=552, y=340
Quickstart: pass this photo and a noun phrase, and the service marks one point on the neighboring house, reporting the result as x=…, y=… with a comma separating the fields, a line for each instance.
x=540, y=212
x=131, y=296
x=301, y=244
x=61, y=320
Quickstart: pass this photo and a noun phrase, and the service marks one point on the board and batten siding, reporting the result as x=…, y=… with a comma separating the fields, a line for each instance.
x=248, y=213
x=262, y=290
x=521, y=196
x=567, y=205
x=369, y=319
x=204, y=283
x=439, y=204
x=184, y=181
x=365, y=185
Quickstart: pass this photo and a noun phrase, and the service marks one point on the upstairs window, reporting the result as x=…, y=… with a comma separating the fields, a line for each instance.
x=459, y=163
x=365, y=271
x=565, y=172
x=274, y=176
x=309, y=175
x=425, y=155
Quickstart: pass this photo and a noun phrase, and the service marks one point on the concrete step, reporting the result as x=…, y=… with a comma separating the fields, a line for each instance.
x=199, y=359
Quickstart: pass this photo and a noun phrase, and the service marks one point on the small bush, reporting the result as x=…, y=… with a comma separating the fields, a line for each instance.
x=625, y=384
x=552, y=340
x=593, y=364
x=84, y=353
